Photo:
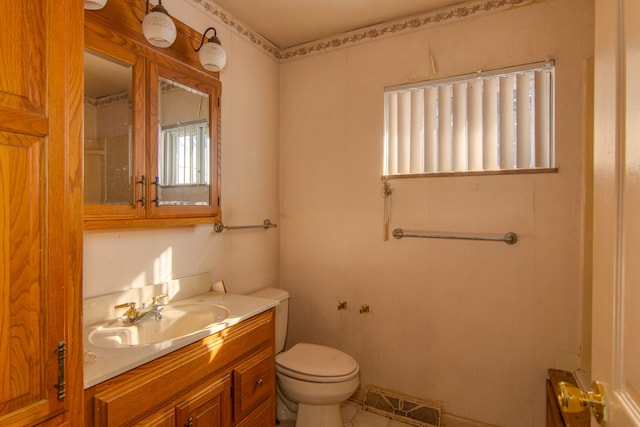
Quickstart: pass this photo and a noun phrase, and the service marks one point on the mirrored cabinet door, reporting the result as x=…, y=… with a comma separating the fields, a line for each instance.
x=184, y=155
x=113, y=136
x=183, y=110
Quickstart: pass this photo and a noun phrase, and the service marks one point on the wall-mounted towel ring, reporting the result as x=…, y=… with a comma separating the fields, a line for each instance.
x=220, y=227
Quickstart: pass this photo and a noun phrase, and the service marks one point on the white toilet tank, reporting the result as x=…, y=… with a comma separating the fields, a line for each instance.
x=282, y=312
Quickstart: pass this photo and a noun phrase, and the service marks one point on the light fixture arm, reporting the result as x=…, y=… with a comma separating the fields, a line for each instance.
x=213, y=39
x=157, y=8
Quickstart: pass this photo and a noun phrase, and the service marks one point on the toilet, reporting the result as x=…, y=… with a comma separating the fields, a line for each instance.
x=313, y=380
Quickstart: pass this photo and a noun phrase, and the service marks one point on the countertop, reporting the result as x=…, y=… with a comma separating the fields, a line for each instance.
x=103, y=363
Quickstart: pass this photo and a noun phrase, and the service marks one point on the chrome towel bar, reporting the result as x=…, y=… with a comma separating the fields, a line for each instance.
x=510, y=238
x=220, y=227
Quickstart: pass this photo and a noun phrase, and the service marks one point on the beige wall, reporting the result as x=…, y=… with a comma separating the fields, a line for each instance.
x=472, y=324
x=246, y=260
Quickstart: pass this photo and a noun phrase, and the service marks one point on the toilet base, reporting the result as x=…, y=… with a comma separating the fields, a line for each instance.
x=319, y=415
x=285, y=409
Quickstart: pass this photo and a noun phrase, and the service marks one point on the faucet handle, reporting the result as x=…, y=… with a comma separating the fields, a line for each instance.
x=129, y=305
x=131, y=312
x=154, y=300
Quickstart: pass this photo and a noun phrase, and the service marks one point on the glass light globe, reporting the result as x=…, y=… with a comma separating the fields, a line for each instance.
x=212, y=56
x=94, y=4
x=158, y=27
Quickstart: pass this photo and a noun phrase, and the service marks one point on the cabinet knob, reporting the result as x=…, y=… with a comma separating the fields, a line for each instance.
x=259, y=382
x=189, y=422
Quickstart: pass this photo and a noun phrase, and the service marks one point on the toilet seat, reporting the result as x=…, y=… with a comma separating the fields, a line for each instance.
x=316, y=363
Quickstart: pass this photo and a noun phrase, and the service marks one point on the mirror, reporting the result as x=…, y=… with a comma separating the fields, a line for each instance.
x=184, y=145
x=107, y=130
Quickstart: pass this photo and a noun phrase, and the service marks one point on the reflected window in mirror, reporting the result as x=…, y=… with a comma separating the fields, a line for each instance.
x=107, y=130
x=184, y=158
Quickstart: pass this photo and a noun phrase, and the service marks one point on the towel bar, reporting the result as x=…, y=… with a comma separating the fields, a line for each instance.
x=220, y=227
x=510, y=238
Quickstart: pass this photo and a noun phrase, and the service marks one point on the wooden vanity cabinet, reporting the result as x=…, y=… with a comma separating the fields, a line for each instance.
x=226, y=380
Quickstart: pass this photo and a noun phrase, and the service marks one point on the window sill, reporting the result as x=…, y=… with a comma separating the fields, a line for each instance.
x=472, y=173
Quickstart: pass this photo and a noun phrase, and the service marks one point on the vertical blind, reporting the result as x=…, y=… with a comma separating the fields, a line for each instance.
x=485, y=121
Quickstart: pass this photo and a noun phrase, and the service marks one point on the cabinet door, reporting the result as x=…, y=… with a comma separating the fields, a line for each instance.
x=207, y=406
x=40, y=198
x=114, y=128
x=183, y=141
x=163, y=418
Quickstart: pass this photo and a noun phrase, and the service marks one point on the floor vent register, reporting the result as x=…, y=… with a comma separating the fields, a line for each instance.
x=406, y=409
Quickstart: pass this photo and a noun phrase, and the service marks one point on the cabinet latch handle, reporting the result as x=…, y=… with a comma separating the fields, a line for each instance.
x=61, y=352
x=143, y=199
x=189, y=422
x=156, y=182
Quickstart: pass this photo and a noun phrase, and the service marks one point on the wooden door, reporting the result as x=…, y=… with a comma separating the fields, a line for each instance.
x=616, y=288
x=40, y=212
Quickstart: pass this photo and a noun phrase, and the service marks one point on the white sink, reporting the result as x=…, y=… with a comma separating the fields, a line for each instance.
x=178, y=320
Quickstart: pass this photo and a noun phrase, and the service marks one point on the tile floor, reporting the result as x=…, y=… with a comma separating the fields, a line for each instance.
x=354, y=416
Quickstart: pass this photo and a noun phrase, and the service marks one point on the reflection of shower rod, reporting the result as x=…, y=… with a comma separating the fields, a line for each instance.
x=220, y=227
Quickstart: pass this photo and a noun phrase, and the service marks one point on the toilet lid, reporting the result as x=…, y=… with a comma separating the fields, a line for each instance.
x=313, y=362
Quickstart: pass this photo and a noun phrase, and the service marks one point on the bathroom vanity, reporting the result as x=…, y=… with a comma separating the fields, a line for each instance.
x=224, y=378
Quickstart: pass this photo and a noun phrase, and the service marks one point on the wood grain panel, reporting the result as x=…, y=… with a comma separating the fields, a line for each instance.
x=21, y=339
x=23, y=72
x=163, y=418
x=204, y=407
x=254, y=382
x=263, y=416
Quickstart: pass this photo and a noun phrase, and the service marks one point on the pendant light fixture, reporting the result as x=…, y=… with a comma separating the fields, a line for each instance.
x=211, y=53
x=158, y=27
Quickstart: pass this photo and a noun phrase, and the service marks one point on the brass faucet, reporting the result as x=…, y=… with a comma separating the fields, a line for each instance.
x=132, y=315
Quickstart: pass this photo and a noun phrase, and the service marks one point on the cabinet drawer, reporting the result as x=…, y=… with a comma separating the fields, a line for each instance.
x=254, y=382
x=263, y=416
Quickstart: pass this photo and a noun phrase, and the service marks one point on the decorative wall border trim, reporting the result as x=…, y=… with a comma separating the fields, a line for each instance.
x=239, y=27
x=107, y=100
x=440, y=16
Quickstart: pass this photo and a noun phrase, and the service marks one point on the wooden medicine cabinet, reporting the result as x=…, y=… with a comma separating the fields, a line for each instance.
x=151, y=132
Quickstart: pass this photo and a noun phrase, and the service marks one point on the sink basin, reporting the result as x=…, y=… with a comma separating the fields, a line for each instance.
x=178, y=320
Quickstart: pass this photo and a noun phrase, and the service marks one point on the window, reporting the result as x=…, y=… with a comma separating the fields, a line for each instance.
x=484, y=122
x=185, y=153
